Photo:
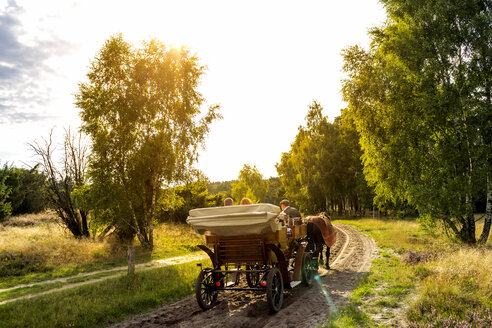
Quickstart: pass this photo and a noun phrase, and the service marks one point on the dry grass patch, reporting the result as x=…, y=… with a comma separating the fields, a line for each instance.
x=48, y=241
x=174, y=239
x=433, y=283
x=458, y=289
x=37, y=247
x=399, y=235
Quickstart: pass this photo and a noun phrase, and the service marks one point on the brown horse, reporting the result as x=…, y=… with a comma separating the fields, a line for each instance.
x=320, y=232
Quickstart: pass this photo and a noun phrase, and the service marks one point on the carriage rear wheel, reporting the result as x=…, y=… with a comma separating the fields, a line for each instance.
x=309, y=269
x=205, y=290
x=275, y=290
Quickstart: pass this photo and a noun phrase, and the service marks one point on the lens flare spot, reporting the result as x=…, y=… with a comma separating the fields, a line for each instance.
x=329, y=301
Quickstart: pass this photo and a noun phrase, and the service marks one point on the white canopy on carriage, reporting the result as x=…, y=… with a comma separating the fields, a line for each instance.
x=235, y=220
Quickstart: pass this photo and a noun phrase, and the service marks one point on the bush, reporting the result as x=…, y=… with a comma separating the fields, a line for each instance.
x=412, y=257
x=21, y=191
x=479, y=318
x=17, y=264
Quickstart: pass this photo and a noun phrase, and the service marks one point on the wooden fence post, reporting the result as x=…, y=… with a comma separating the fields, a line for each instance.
x=131, y=260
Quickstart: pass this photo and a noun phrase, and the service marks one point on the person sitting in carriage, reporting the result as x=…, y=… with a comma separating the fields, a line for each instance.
x=293, y=215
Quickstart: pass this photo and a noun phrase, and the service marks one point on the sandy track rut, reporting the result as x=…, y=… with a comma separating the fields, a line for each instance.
x=303, y=307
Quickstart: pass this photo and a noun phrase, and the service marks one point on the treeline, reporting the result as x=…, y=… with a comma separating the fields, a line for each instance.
x=21, y=191
x=323, y=170
x=417, y=132
x=175, y=203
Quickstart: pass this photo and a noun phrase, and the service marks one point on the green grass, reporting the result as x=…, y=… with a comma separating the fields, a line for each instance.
x=65, y=271
x=36, y=289
x=14, y=293
x=172, y=240
x=94, y=276
x=103, y=303
x=451, y=284
x=350, y=317
x=44, y=250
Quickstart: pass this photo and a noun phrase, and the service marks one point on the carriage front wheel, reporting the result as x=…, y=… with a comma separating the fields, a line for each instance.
x=309, y=269
x=275, y=290
x=205, y=289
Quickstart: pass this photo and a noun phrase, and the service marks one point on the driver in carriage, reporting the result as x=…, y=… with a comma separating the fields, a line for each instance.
x=290, y=211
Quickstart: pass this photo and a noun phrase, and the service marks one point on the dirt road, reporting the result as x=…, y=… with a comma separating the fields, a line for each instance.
x=303, y=307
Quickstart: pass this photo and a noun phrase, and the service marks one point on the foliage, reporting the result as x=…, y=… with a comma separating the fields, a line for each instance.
x=140, y=108
x=215, y=200
x=323, y=168
x=32, y=191
x=420, y=99
x=224, y=187
x=275, y=191
x=5, y=206
x=175, y=203
x=250, y=184
x=21, y=190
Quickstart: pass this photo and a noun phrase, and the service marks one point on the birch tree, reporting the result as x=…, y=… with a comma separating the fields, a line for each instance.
x=420, y=98
x=141, y=109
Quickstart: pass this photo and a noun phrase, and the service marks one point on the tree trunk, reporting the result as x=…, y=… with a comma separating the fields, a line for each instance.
x=467, y=233
x=85, y=226
x=488, y=209
x=154, y=197
x=486, y=226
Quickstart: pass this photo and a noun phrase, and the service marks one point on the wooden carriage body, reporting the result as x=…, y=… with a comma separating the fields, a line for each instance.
x=251, y=240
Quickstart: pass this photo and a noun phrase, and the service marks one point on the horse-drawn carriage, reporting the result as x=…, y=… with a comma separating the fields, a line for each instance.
x=256, y=242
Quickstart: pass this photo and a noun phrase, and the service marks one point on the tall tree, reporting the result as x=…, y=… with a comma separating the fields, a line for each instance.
x=276, y=191
x=323, y=171
x=141, y=107
x=250, y=184
x=420, y=98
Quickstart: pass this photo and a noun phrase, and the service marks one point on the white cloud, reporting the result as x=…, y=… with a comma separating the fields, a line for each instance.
x=24, y=93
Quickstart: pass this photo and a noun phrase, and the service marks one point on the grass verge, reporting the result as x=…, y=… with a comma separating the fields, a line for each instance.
x=36, y=289
x=103, y=303
x=419, y=280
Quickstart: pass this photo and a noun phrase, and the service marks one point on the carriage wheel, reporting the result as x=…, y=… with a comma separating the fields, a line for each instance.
x=253, y=278
x=206, y=293
x=275, y=290
x=309, y=269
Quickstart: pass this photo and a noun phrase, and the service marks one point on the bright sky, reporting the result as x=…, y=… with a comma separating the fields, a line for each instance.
x=267, y=61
